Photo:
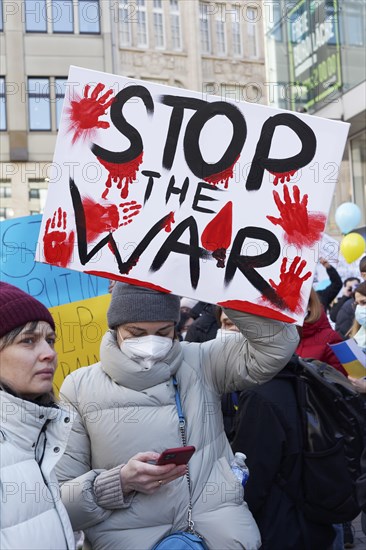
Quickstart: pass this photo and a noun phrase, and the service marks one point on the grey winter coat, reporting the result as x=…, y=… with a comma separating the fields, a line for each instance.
x=32, y=514
x=123, y=409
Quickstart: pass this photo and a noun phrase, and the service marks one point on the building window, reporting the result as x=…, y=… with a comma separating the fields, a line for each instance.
x=141, y=24
x=236, y=32
x=60, y=88
x=89, y=17
x=5, y=190
x=2, y=104
x=158, y=19
x=205, y=29
x=35, y=15
x=125, y=17
x=175, y=25
x=1, y=16
x=220, y=34
x=58, y=16
x=39, y=104
x=34, y=193
x=6, y=213
x=252, y=22
x=353, y=24
x=62, y=16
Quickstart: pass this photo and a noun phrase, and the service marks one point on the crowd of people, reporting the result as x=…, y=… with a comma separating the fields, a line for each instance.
x=172, y=372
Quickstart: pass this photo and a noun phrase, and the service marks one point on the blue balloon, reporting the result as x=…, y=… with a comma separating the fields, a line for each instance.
x=347, y=217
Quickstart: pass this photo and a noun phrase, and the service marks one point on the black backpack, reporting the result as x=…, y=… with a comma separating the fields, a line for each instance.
x=333, y=416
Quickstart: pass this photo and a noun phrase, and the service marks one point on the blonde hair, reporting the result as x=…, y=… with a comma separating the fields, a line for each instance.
x=315, y=308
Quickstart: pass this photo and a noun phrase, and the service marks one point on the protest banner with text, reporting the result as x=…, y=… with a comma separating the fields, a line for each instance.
x=217, y=200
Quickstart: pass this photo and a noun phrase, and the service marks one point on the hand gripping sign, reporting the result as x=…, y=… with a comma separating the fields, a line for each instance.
x=209, y=198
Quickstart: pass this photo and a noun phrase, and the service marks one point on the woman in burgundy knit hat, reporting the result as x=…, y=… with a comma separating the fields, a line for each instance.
x=34, y=430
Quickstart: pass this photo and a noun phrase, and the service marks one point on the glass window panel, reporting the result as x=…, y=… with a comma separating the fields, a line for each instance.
x=35, y=15
x=252, y=32
x=141, y=24
x=6, y=213
x=34, y=193
x=236, y=32
x=175, y=25
x=62, y=16
x=60, y=89
x=125, y=35
x=5, y=192
x=220, y=37
x=2, y=104
x=39, y=104
x=89, y=17
x=205, y=29
x=158, y=20
x=1, y=16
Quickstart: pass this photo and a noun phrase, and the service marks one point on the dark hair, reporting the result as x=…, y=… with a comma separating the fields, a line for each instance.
x=361, y=288
x=351, y=279
x=362, y=265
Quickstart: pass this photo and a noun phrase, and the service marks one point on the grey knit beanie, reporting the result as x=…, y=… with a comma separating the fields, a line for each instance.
x=132, y=304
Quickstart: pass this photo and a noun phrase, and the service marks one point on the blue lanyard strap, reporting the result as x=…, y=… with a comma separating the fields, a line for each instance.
x=178, y=403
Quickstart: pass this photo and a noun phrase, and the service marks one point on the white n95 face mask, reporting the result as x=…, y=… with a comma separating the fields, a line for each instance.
x=149, y=349
x=360, y=315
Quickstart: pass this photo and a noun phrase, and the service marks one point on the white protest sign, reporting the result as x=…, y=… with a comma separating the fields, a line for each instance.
x=212, y=199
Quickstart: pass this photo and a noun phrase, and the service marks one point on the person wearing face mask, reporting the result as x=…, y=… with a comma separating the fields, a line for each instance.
x=358, y=330
x=126, y=415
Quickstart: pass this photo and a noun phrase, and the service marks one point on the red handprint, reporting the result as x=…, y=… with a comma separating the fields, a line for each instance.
x=289, y=287
x=58, y=245
x=99, y=218
x=129, y=210
x=301, y=227
x=84, y=112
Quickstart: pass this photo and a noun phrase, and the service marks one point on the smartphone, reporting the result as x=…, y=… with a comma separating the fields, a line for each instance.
x=179, y=455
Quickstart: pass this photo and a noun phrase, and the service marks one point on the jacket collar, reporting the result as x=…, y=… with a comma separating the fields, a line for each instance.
x=24, y=419
x=131, y=374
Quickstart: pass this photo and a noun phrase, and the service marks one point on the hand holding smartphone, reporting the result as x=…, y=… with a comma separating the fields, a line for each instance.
x=177, y=456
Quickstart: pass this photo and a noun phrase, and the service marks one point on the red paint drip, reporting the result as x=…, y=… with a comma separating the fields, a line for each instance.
x=222, y=177
x=129, y=280
x=100, y=218
x=168, y=223
x=122, y=174
x=263, y=311
x=217, y=234
x=282, y=176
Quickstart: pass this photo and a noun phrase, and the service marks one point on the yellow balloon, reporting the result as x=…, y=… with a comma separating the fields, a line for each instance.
x=352, y=247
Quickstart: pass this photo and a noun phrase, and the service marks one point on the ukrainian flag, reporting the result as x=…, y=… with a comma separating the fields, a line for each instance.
x=347, y=357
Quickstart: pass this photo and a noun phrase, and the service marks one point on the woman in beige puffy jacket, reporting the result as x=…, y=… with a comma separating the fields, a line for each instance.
x=126, y=415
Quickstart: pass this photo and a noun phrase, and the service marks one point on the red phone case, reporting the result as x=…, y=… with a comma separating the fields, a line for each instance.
x=179, y=455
